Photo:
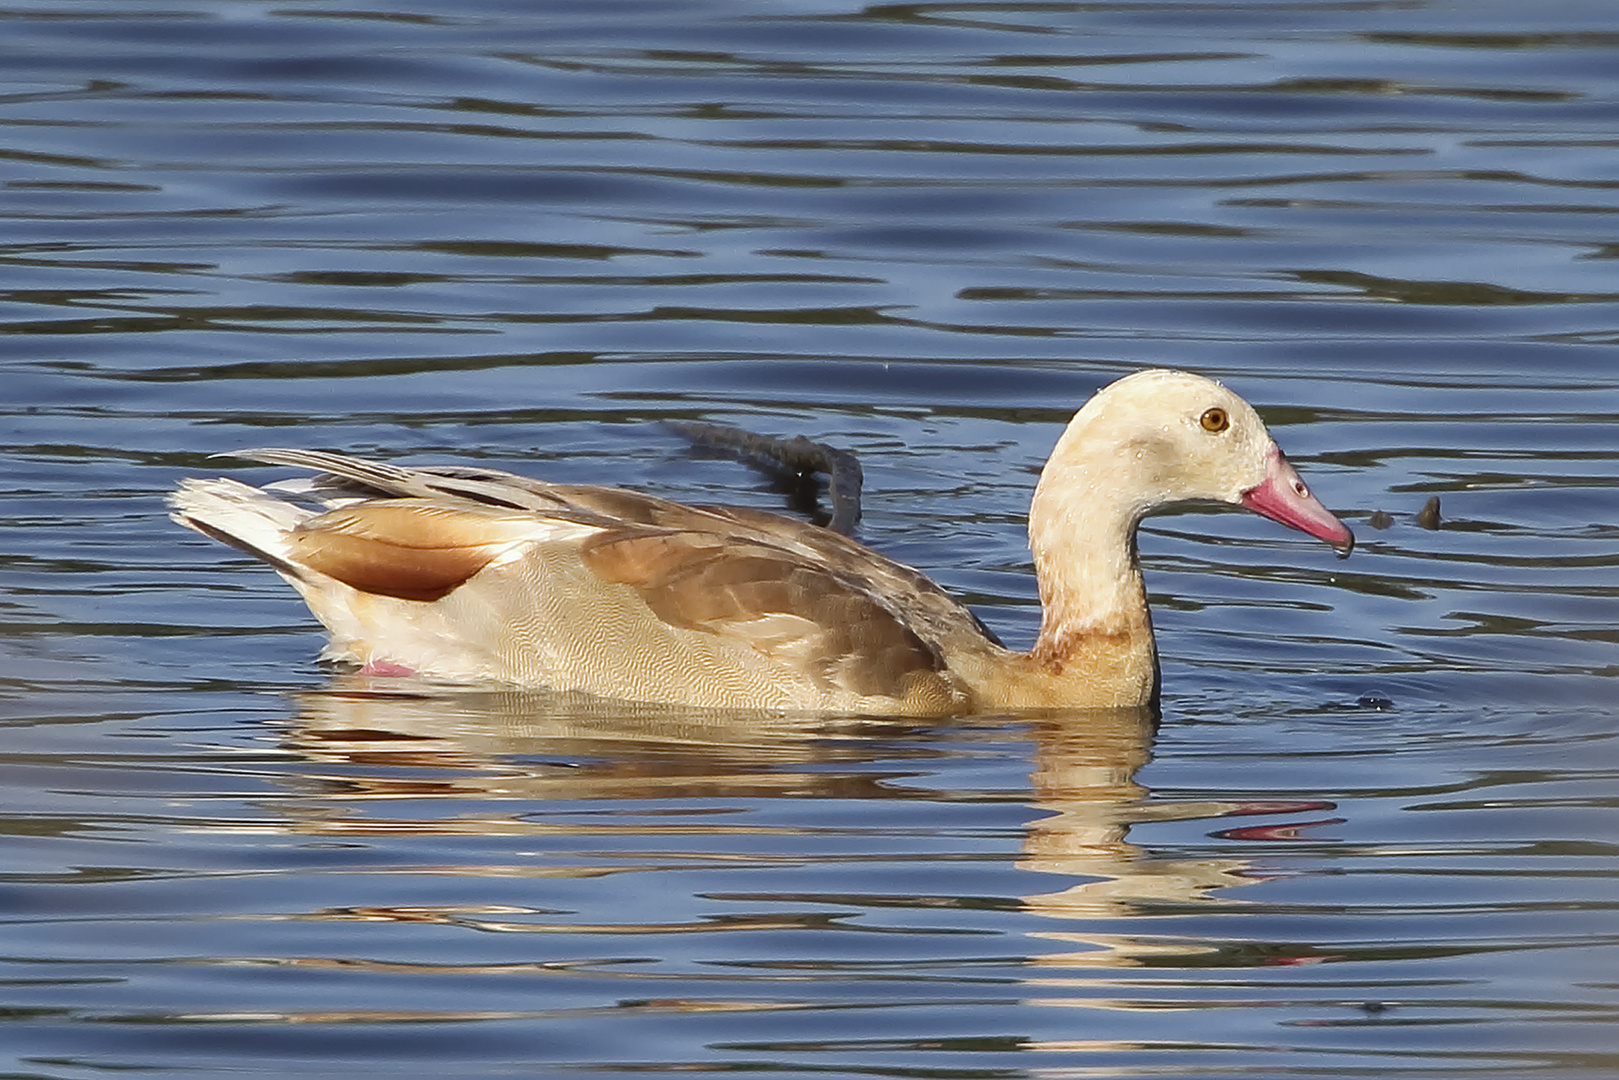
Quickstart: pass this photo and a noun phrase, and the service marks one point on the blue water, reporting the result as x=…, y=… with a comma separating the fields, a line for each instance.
x=1374, y=833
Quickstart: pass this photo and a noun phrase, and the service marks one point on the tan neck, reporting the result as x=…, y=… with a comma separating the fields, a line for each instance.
x=1083, y=537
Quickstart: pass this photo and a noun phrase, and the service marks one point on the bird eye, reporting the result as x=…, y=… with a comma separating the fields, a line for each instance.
x=1215, y=420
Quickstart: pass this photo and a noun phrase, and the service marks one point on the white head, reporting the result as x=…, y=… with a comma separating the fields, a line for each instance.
x=1159, y=438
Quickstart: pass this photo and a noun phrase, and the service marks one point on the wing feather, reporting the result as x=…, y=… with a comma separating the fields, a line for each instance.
x=412, y=549
x=782, y=604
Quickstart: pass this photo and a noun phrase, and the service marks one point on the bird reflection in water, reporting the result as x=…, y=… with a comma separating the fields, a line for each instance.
x=1084, y=773
x=547, y=765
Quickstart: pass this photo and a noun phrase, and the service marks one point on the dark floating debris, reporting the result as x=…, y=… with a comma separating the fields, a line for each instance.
x=798, y=457
x=1427, y=517
x=1366, y=703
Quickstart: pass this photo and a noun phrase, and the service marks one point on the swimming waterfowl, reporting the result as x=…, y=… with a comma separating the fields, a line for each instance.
x=476, y=576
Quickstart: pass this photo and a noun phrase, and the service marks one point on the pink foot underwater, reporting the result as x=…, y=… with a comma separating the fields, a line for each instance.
x=387, y=669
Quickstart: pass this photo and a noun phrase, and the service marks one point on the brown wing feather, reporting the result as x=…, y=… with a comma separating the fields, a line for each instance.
x=783, y=605
x=408, y=549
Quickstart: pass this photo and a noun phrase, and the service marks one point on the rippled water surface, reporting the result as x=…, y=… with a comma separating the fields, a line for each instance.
x=1375, y=832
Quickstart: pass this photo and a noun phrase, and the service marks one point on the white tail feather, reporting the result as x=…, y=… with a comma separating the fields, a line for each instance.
x=240, y=515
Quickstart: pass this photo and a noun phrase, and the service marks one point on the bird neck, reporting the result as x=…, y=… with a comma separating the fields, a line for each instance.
x=1082, y=532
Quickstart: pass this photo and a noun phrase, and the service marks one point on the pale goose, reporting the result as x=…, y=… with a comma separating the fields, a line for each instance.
x=473, y=576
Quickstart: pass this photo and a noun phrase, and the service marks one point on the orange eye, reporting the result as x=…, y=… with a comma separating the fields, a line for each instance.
x=1215, y=420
